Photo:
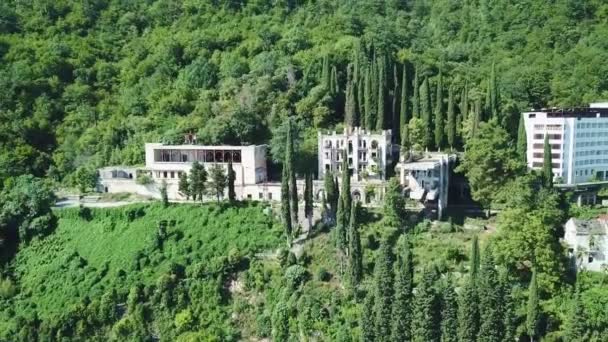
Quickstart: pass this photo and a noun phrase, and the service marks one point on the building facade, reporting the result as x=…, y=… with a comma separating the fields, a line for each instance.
x=587, y=242
x=427, y=179
x=368, y=153
x=578, y=139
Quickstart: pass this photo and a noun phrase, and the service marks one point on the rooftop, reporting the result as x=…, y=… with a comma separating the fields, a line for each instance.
x=199, y=147
x=428, y=161
x=598, y=109
x=597, y=226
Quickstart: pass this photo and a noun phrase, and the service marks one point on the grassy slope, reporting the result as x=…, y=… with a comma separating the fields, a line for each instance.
x=84, y=258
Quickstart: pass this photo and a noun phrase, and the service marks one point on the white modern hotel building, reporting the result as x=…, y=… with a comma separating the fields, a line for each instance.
x=578, y=138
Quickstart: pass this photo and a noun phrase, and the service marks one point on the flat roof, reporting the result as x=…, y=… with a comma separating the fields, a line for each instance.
x=594, y=110
x=201, y=147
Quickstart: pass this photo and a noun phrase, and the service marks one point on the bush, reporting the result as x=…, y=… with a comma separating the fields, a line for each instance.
x=7, y=288
x=295, y=275
x=323, y=274
x=143, y=179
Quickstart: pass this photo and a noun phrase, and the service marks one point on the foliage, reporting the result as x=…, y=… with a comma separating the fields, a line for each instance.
x=217, y=181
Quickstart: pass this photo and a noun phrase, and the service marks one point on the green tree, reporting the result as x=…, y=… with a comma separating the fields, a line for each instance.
x=368, y=328
x=449, y=313
x=439, y=114
x=231, y=177
x=532, y=309
x=426, y=316
x=451, y=128
x=468, y=307
x=384, y=296
x=217, y=181
x=547, y=163
x=521, y=140
x=184, y=185
x=381, y=100
x=370, y=117
x=404, y=115
x=494, y=94
x=577, y=320
x=344, y=205
x=285, y=204
x=425, y=109
x=308, y=200
x=416, y=95
x=350, y=106
x=85, y=178
x=355, y=253
x=164, y=198
x=475, y=258
x=291, y=173
x=490, y=301
x=394, y=205
x=402, y=305
x=198, y=179
x=280, y=322
x=509, y=317
x=489, y=162
x=330, y=195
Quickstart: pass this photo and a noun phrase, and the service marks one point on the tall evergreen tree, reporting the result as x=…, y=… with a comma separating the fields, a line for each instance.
x=350, y=104
x=522, y=144
x=487, y=109
x=231, y=178
x=369, y=110
x=331, y=197
x=344, y=205
x=439, y=115
x=326, y=74
x=361, y=98
x=490, y=301
x=402, y=305
x=449, y=313
x=217, y=181
x=383, y=277
x=451, y=128
x=404, y=117
x=374, y=93
x=416, y=96
x=184, y=185
x=394, y=205
x=164, y=197
x=494, y=94
x=425, y=106
x=547, y=164
x=291, y=173
x=425, y=323
x=355, y=253
x=368, y=319
x=532, y=309
x=509, y=318
x=464, y=101
x=308, y=200
x=285, y=203
x=468, y=308
x=576, y=320
x=381, y=99
x=395, y=100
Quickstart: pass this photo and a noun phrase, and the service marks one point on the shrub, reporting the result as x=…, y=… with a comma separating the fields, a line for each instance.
x=143, y=179
x=7, y=288
x=323, y=274
x=295, y=275
x=183, y=320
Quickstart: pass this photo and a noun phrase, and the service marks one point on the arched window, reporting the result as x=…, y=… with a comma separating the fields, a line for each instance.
x=236, y=156
x=228, y=156
x=219, y=157
x=209, y=157
x=374, y=144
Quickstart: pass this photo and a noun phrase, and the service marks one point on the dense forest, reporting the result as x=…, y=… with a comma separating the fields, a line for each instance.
x=85, y=83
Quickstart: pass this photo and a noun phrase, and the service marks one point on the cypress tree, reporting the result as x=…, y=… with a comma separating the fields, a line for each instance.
x=425, y=106
x=468, y=308
x=425, y=324
x=509, y=318
x=464, y=101
x=394, y=205
x=449, y=314
x=350, y=104
x=403, y=113
x=335, y=87
x=521, y=140
x=368, y=328
x=547, y=164
x=344, y=205
x=576, y=320
x=291, y=173
x=369, y=111
x=416, y=96
x=404, y=274
x=231, y=178
x=361, y=98
x=494, y=93
x=476, y=117
x=308, y=202
x=354, y=247
x=532, y=308
x=285, y=205
x=326, y=74
x=383, y=276
x=487, y=104
x=439, y=115
x=451, y=129
x=490, y=301
x=381, y=100
x=395, y=118
x=198, y=179
x=330, y=193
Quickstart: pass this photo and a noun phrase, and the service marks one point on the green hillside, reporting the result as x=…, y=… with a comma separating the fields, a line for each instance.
x=114, y=251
